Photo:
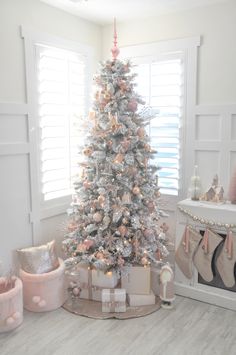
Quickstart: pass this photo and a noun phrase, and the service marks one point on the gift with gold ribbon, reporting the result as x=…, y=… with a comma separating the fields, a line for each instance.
x=114, y=300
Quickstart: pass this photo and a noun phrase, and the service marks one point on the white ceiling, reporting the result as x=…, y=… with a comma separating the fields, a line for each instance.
x=103, y=11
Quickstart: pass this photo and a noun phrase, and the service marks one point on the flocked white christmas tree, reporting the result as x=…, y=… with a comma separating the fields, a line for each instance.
x=114, y=218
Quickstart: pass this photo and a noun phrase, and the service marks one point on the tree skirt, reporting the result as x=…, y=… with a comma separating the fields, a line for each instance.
x=93, y=309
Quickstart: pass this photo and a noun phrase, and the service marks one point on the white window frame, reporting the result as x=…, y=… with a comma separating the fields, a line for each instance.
x=31, y=38
x=188, y=49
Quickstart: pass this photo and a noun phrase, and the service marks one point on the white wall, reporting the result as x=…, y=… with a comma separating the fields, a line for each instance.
x=217, y=56
x=210, y=141
x=15, y=197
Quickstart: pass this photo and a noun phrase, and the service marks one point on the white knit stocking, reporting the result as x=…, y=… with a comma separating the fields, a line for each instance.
x=204, y=254
x=186, y=249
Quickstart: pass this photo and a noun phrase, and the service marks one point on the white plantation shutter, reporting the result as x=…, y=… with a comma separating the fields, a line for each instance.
x=61, y=85
x=160, y=82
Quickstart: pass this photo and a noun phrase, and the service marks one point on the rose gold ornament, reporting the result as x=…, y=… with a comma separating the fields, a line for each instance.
x=136, y=190
x=144, y=260
x=132, y=105
x=109, y=144
x=147, y=148
x=141, y=132
x=101, y=200
x=87, y=184
x=122, y=230
x=72, y=226
x=99, y=255
x=87, y=151
x=97, y=217
x=88, y=243
x=119, y=158
x=81, y=248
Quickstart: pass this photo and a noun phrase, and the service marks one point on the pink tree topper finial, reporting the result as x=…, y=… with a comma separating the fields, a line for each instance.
x=115, y=50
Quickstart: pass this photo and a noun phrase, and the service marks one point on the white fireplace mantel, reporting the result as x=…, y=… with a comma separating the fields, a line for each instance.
x=224, y=214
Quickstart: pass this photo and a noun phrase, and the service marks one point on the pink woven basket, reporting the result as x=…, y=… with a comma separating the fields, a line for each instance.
x=44, y=292
x=11, y=307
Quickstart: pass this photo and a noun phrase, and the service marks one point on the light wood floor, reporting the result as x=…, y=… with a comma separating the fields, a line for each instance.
x=191, y=328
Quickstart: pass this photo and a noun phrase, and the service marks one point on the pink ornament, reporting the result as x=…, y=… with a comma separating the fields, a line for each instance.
x=81, y=248
x=97, y=217
x=132, y=105
x=76, y=291
x=88, y=243
x=99, y=255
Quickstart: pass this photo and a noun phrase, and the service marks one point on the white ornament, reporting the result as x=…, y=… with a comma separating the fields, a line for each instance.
x=36, y=299
x=10, y=320
x=42, y=303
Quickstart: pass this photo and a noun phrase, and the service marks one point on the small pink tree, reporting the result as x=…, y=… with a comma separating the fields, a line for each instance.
x=232, y=188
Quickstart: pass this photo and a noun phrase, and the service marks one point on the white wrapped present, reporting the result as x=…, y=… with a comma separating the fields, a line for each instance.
x=114, y=300
x=141, y=300
x=137, y=281
x=92, y=282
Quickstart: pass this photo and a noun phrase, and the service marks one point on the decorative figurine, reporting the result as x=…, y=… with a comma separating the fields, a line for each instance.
x=167, y=287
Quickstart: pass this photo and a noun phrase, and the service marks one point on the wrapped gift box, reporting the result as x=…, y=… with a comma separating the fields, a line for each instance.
x=114, y=300
x=92, y=282
x=137, y=281
x=141, y=300
x=155, y=281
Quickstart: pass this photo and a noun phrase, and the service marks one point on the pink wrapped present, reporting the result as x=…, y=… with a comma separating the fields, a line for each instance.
x=44, y=292
x=11, y=306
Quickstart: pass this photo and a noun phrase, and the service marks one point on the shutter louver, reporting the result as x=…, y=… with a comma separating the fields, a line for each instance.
x=61, y=102
x=161, y=85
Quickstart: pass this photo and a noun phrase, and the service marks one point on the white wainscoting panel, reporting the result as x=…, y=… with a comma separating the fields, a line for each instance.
x=15, y=201
x=211, y=143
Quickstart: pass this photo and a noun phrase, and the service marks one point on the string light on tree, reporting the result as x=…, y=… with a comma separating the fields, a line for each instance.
x=116, y=204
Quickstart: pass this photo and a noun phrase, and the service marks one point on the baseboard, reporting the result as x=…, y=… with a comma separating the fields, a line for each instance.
x=208, y=296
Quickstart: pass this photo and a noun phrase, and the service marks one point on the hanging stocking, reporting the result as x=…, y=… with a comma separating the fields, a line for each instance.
x=203, y=256
x=226, y=261
x=184, y=253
